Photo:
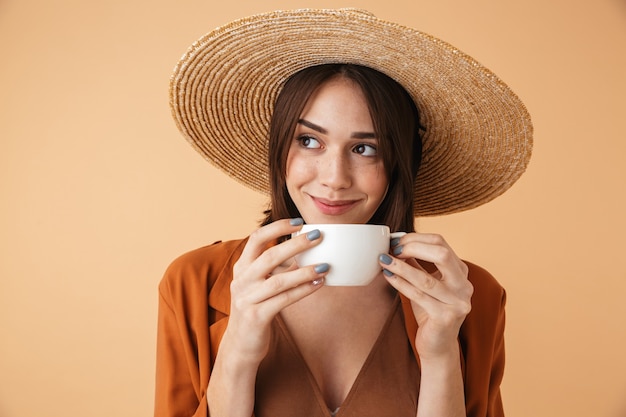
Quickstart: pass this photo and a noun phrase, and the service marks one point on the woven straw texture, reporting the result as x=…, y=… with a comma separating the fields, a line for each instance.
x=478, y=138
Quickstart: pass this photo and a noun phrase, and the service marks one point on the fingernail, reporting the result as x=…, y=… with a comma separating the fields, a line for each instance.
x=297, y=221
x=394, y=241
x=387, y=272
x=386, y=259
x=321, y=268
x=318, y=281
x=398, y=250
x=313, y=234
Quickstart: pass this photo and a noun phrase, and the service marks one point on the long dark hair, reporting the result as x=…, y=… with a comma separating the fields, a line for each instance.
x=396, y=123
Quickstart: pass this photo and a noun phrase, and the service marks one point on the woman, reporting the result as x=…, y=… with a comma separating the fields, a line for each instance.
x=426, y=337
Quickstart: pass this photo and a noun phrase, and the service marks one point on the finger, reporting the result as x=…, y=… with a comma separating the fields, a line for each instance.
x=286, y=266
x=421, y=281
x=280, y=301
x=430, y=247
x=434, y=249
x=272, y=258
x=413, y=293
x=443, y=306
x=278, y=290
x=259, y=240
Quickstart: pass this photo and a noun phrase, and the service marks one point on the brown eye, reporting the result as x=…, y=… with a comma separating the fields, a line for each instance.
x=365, y=149
x=309, y=142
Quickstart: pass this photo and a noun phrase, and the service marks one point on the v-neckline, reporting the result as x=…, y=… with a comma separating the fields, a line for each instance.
x=353, y=389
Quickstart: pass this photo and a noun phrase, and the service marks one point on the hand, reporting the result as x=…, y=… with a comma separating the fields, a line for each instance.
x=265, y=281
x=440, y=300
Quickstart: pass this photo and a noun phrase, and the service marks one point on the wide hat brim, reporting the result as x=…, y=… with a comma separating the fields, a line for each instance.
x=478, y=133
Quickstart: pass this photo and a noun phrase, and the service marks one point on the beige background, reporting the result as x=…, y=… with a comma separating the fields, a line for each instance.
x=99, y=193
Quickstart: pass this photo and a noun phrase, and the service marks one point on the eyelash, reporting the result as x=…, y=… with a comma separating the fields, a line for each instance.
x=301, y=140
x=366, y=145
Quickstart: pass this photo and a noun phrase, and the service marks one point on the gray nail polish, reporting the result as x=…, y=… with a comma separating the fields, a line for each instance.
x=386, y=259
x=296, y=221
x=398, y=250
x=387, y=272
x=320, y=268
x=313, y=234
x=394, y=242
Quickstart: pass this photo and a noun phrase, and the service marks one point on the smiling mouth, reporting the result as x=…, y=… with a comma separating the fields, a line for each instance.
x=334, y=207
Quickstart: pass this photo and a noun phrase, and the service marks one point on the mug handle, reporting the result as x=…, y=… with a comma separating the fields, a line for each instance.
x=396, y=235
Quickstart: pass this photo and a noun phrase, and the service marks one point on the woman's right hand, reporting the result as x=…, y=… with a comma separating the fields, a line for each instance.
x=266, y=279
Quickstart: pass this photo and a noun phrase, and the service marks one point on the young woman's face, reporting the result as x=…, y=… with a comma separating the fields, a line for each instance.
x=334, y=173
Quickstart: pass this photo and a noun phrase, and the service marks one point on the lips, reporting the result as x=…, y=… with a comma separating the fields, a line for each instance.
x=334, y=207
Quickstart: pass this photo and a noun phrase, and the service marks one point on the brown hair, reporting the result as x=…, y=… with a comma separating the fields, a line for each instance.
x=396, y=123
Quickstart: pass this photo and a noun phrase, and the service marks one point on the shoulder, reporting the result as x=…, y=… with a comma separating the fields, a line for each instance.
x=488, y=301
x=200, y=268
x=486, y=287
x=210, y=256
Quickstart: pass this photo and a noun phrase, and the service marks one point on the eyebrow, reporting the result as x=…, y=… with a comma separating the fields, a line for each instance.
x=320, y=129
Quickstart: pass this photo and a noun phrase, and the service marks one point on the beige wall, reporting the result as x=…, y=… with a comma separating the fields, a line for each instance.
x=99, y=193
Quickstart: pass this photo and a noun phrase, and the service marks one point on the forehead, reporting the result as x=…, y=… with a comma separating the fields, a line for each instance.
x=339, y=102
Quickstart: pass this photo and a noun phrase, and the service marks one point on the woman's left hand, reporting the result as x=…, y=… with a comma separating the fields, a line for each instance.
x=440, y=300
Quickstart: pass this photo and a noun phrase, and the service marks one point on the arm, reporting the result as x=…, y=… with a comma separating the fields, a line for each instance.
x=260, y=289
x=190, y=368
x=441, y=387
x=177, y=390
x=482, y=334
x=440, y=301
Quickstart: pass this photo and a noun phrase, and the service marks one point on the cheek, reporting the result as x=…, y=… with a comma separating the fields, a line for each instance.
x=373, y=175
x=383, y=187
x=376, y=183
x=297, y=170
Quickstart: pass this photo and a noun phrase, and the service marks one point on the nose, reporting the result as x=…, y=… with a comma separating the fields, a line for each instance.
x=334, y=170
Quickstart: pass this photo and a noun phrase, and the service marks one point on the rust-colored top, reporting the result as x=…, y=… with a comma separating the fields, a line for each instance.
x=194, y=303
x=387, y=384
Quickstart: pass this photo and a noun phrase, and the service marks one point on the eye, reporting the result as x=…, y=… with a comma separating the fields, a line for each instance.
x=365, y=149
x=309, y=142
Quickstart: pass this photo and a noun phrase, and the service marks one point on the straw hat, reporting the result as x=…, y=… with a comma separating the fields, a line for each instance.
x=478, y=137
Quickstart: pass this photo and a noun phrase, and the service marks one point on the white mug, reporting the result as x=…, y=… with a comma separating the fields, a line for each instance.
x=352, y=251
